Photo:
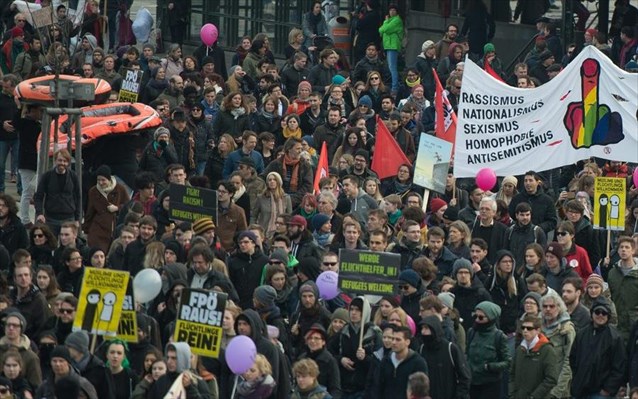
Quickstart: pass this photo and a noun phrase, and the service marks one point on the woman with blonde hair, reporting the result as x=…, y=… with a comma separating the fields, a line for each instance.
x=154, y=255
x=371, y=187
x=398, y=317
x=296, y=40
x=270, y=204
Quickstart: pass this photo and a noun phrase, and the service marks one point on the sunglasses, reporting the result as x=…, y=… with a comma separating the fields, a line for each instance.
x=374, y=78
x=275, y=262
x=561, y=233
x=600, y=312
x=66, y=311
x=549, y=306
x=38, y=235
x=528, y=328
x=330, y=263
x=480, y=317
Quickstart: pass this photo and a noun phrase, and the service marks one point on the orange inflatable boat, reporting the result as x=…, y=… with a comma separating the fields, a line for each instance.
x=38, y=90
x=105, y=120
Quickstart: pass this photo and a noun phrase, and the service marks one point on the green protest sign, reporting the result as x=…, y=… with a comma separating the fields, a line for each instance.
x=367, y=272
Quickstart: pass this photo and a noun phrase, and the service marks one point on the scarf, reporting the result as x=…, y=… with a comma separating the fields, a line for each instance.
x=276, y=209
x=294, y=175
x=268, y=115
x=106, y=191
x=416, y=82
x=314, y=21
x=291, y=133
x=340, y=104
x=239, y=193
x=323, y=239
x=237, y=112
x=401, y=187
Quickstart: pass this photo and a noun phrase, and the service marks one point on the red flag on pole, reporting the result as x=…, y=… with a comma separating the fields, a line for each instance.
x=492, y=72
x=445, y=127
x=322, y=167
x=388, y=156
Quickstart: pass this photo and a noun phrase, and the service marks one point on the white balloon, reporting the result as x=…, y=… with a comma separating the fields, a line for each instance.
x=147, y=285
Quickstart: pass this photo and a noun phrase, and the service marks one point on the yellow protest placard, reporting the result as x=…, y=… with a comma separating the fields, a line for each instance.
x=101, y=301
x=127, y=330
x=609, y=203
x=199, y=321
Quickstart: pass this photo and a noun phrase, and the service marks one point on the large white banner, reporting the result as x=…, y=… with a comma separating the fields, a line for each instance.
x=589, y=109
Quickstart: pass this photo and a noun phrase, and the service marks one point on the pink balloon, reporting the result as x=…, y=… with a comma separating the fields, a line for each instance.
x=412, y=325
x=328, y=284
x=486, y=179
x=240, y=354
x=636, y=177
x=209, y=34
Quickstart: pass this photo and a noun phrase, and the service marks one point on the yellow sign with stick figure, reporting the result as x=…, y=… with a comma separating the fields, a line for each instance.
x=609, y=203
x=101, y=301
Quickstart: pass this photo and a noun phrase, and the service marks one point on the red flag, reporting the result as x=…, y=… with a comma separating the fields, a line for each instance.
x=445, y=127
x=492, y=72
x=322, y=167
x=388, y=156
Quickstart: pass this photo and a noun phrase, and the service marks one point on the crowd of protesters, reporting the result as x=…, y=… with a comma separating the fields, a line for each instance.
x=508, y=293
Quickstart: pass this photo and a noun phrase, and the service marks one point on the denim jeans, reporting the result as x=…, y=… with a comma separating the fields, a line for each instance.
x=29, y=181
x=199, y=169
x=5, y=147
x=392, y=56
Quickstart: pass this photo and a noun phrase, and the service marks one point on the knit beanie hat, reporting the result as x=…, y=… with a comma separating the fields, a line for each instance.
x=104, y=171
x=594, y=279
x=338, y=79
x=511, y=180
x=200, y=226
x=488, y=48
x=304, y=84
x=462, y=263
x=365, y=100
x=555, y=249
x=62, y=352
x=426, y=45
x=17, y=31
x=341, y=314
x=411, y=277
x=161, y=131
x=451, y=214
x=447, y=298
x=19, y=316
x=266, y=295
x=535, y=296
x=391, y=299
x=319, y=220
x=279, y=255
x=317, y=328
x=247, y=234
x=78, y=340
x=436, y=204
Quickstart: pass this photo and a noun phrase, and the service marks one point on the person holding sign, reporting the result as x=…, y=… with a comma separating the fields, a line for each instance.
x=178, y=360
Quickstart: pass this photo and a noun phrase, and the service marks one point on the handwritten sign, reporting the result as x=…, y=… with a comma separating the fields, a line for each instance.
x=367, y=272
x=191, y=203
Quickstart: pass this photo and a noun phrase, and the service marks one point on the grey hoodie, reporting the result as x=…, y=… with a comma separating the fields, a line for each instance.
x=183, y=352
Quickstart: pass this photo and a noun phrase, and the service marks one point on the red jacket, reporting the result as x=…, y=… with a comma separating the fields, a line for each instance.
x=578, y=259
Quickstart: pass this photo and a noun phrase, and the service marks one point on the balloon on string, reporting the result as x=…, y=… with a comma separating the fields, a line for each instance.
x=412, y=325
x=147, y=284
x=240, y=354
x=486, y=179
x=636, y=177
x=328, y=284
x=209, y=34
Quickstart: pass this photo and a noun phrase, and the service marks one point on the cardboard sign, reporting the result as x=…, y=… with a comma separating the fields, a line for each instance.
x=432, y=163
x=130, y=90
x=188, y=204
x=127, y=330
x=367, y=272
x=609, y=203
x=199, y=321
x=42, y=17
x=101, y=301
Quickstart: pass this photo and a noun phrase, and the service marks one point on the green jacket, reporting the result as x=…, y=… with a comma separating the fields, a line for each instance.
x=562, y=339
x=487, y=351
x=392, y=33
x=624, y=293
x=534, y=372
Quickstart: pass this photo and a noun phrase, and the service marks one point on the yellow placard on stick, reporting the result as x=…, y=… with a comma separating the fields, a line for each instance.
x=609, y=203
x=127, y=329
x=101, y=301
x=199, y=321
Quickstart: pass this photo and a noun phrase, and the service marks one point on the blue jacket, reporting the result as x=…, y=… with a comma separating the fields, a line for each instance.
x=233, y=160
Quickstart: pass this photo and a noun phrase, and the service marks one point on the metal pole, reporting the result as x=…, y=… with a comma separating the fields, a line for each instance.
x=78, y=156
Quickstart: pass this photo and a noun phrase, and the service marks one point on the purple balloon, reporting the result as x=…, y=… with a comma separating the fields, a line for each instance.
x=486, y=179
x=636, y=177
x=209, y=34
x=328, y=284
x=240, y=354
